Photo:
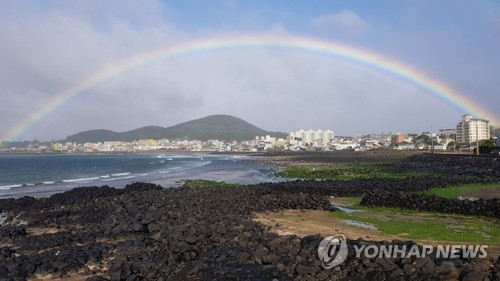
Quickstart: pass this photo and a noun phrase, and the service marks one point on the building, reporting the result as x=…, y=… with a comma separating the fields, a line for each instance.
x=495, y=133
x=447, y=133
x=397, y=139
x=318, y=138
x=470, y=130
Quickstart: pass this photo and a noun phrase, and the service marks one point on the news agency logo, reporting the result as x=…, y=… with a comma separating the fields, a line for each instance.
x=332, y=251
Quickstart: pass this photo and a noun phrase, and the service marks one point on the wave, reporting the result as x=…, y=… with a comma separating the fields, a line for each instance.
x=118, y=178
x=6, y=187
x=174, y=169
x=160, y=162
x=168, y=157
x=10, y=186
x=81, y=179
x=188, y=166
x=199, y=164
x=120, y=174
x=178, y=156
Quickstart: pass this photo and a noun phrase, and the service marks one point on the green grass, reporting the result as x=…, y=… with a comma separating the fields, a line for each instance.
x=457, y=191
x=207, y=183
x=352, y=200
x=425, y=225
x=349, y=172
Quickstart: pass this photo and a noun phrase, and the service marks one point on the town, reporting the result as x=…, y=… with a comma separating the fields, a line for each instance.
x=468, y=133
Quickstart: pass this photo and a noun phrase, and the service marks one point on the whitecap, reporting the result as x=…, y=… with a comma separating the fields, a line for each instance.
x=119, y=178
x=5, y=187
x=81, y=179
x=120, y=174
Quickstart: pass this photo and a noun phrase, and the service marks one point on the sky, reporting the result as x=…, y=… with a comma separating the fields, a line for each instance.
x=48, y=47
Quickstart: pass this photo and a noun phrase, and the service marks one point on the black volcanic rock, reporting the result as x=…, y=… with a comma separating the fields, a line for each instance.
x=146, y=232
x=469, y=165
x=221, y=127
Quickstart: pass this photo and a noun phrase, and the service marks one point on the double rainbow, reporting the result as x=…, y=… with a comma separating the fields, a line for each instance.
x=380, y=63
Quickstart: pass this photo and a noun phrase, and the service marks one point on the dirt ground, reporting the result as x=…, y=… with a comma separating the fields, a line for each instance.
x=74, y=277
x=310, y=222
x=307, y=222
x=484, y=193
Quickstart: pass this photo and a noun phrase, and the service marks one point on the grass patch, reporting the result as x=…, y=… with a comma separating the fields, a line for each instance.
x=351, y=200
x=457, y=191
x=207, y=183
x=349, y=172
x=426, y=225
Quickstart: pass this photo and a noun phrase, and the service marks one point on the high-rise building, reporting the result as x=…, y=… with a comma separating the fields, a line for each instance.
x=310, y=137
x=470, y=130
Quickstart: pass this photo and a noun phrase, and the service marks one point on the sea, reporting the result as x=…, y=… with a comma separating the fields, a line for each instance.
x=40, y=175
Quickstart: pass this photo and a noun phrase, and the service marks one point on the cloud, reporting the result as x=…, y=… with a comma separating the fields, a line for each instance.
x=345, y=21
x=48, y=49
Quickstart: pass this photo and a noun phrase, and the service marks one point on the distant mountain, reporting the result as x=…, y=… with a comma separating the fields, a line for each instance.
x=94, y=136
x=221, y=127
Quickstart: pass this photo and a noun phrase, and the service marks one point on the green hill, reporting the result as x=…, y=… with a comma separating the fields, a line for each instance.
x=221, y=127
x=94, y=136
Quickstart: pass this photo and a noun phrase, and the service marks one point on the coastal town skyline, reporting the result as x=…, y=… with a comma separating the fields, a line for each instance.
x=464, y=136
x=356, y=68
x=327, y=128
x=432, y=128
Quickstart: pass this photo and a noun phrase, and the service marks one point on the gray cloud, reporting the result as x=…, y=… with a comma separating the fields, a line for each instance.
x=48, y=50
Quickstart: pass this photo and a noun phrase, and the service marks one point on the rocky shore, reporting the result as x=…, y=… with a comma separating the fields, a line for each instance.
x=421, y=202
x=145, y=232
x=468, y=165
x=313, y=158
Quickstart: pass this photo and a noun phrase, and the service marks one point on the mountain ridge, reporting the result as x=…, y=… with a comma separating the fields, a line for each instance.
x=221, y=127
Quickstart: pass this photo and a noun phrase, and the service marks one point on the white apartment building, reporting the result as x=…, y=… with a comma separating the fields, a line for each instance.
x=310, y=137
x=470, y=130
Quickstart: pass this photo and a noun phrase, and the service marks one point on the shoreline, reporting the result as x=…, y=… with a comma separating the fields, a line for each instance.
x=145, y=231
x=174, y=152
x=126, y=169
x=202, y=233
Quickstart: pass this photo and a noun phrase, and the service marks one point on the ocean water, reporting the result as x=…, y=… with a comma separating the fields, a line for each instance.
x=42, y=175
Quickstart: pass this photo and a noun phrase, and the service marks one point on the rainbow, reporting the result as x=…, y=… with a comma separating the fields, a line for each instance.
x=336, y=49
